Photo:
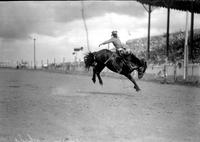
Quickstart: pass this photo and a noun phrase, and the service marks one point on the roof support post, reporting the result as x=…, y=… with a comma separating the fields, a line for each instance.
x=191, y=36
x=167, y=40
x=149, y=28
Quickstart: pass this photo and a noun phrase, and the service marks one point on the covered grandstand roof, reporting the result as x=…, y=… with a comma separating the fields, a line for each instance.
x=184, y=5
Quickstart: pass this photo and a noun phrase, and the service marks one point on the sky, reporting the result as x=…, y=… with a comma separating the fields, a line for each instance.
x=58, y=27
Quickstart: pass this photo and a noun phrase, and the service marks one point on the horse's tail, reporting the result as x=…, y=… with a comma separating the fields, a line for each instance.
x=89, y=60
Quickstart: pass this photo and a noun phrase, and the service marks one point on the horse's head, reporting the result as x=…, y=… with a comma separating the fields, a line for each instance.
x=142, y=68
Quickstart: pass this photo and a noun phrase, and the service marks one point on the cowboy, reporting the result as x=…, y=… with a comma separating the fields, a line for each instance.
x=118, y=46
x=115, y=41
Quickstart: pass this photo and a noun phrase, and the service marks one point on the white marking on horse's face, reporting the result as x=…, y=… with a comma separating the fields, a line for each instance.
x=140, y=73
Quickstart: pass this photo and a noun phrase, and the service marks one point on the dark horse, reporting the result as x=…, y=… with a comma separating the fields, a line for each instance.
x=98, y=60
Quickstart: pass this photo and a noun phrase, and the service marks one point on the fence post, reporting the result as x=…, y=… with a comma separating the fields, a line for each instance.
x=192, y=72
x=199, y=71
x=165, y=70
x=175, y=67
x=42, y=64
x=63, y=64
x=164, y=73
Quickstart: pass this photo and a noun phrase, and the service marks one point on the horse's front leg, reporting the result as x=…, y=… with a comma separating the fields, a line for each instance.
x=94, y=75
x=134, y=82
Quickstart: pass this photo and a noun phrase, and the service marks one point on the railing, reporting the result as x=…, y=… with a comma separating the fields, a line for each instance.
x=175, y=71
x=172, y=72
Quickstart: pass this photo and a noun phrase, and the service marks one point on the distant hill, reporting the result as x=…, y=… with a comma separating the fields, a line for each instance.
x=158, y=46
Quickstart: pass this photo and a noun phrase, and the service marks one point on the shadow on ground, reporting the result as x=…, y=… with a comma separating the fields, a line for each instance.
x=104, y=93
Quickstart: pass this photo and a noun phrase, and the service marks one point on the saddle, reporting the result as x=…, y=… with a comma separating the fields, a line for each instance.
x=120, y=57
x=129, y=64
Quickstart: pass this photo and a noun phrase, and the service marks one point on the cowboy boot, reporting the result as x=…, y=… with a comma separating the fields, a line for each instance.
x=117, y=66
x=119, y=69
x=131, y=67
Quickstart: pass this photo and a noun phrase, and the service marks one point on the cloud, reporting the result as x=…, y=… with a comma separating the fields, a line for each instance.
x=21, y=19
x=72, y=10
x=59, y=28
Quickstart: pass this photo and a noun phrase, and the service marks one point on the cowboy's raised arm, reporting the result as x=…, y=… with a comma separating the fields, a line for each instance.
x=106, y=42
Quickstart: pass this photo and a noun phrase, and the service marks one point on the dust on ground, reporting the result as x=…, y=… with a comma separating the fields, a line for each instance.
x=54, y=107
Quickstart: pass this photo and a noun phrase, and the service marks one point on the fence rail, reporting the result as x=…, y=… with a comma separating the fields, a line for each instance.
x=173, y=72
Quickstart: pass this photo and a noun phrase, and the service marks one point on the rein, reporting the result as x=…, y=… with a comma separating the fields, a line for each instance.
x=108, y=58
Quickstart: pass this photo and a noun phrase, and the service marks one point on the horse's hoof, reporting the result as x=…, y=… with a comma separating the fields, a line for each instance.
x=139, y=92
x=137, y=89
x=93, y=80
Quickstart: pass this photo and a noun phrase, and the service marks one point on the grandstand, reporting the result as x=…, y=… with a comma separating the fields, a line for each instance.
x=158, y=46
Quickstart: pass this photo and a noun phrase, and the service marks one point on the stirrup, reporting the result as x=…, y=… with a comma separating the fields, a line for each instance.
x=119, y=71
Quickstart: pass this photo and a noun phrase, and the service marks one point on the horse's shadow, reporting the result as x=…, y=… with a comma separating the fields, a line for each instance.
x=105, y=93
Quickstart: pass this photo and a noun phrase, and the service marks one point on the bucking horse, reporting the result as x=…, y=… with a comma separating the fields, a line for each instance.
x=106, y=58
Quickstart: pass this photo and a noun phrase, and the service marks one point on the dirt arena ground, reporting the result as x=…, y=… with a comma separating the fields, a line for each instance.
x=52, y=107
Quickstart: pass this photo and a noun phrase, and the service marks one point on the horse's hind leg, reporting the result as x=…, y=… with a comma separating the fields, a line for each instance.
x=100, y=68
x=100, y=80
x=94, y=75
x=96, y=71
x=134, y=82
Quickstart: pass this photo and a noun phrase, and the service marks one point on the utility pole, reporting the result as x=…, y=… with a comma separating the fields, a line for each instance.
x=34, y=54
x=186, y=49
x=85, y=25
